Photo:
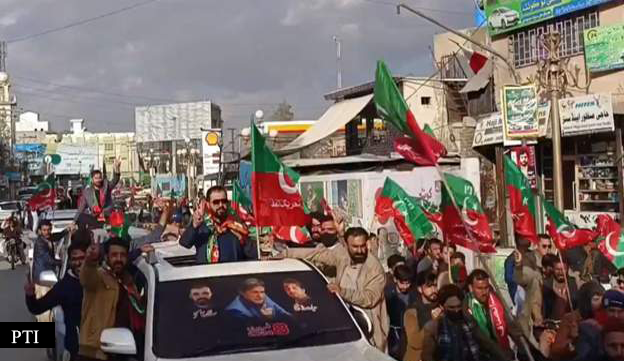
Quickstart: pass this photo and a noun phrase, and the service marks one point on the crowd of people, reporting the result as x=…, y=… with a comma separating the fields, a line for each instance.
x=425, y=305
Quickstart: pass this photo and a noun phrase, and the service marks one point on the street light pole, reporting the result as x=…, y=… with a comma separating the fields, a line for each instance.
x=338, y=62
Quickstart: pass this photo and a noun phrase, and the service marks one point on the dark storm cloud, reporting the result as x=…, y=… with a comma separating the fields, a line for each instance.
x=243, y=54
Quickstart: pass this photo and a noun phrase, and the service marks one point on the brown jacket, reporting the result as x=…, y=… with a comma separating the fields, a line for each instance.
x=369, y=293
x=414, y=335
x=99, y=306
x=531, y=314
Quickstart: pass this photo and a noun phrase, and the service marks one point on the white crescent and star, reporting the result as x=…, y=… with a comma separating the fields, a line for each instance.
x=288, y=189
x=471, y=222
x=610, y=249
x=564, y=230
x=293, y=235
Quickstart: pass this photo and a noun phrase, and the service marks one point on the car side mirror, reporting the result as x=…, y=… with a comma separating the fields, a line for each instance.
x=362, y=319
x=119, y=341
x=47, y=278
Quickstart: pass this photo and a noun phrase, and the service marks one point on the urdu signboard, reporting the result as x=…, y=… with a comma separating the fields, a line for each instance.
x=586, y=114
x=604, y=48
x=504, y=16
x=519, y=106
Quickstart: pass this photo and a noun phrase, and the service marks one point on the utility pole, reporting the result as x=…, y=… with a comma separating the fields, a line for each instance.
x=338, y=62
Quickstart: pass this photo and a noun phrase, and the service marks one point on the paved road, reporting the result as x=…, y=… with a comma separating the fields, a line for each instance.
x=13, y=309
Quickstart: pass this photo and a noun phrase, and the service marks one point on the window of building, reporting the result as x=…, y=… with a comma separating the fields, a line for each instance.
x=425, y=100
x=528, y=49
x=108, y=147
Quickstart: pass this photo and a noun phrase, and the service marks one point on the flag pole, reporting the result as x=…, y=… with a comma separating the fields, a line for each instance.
x=482, y=259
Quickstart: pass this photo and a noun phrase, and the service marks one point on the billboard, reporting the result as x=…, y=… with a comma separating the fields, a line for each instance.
x=32, y=156
x=155, y=123
x=507, y=15
x=604, y=48
x=586, y=114
x=76, y=159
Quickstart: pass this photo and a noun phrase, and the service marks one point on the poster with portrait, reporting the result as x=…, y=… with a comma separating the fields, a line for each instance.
x=346, y=198
x=313, y=194
x=524, y=157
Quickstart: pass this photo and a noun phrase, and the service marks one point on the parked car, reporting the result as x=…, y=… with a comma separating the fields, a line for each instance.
x=503, y=18
x=186, y=302
x=8, y=208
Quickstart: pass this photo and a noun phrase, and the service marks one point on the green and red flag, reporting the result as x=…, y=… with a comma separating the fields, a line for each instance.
x=295, y=234
x=241, y=204
x=521, y=201
x=45, y=196
x=276, y=199
x=564, y=233
x=610, y=239
x=119, y=223
x=455, y=225
x=416, y=146
x=409, y=218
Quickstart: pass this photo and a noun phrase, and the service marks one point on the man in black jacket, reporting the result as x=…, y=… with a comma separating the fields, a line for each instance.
x=67, y=293
x=219, y=237
x=97, y=199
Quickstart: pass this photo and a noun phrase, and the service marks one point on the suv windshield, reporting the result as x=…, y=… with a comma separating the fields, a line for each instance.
x=244, y=313
x=9, y=206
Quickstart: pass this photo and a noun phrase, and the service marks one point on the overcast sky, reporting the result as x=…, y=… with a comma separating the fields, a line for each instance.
x=242, y=54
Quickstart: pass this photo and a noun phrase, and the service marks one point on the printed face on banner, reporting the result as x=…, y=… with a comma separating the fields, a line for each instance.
x=313, y=194
x=524, y=157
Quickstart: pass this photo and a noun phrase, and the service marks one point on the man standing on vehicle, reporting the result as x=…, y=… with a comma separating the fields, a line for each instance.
x=219, y=237
x=97, y=200
x=111, y=297
x=67, y=293
x=360, y=278
x=43, y=259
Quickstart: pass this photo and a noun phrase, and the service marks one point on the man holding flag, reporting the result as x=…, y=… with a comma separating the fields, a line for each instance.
x=97, y=199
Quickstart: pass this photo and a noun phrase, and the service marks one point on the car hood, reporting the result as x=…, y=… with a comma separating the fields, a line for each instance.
x=354, y=351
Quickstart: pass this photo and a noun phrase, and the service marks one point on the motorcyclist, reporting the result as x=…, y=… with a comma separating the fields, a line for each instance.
x=12, y=230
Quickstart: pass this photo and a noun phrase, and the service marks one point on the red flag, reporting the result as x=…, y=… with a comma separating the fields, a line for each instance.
x=294, y=234
x=479, y=70
x=45, y=196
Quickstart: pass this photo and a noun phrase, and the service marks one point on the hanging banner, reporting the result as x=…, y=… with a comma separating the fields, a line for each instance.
x=211, y=150
x=506, y=15
x=76, y=159
x=167, y=186
x=604, y=48
x=489, y=131
x=524, y=157
x=519, y=105
x=586, y=114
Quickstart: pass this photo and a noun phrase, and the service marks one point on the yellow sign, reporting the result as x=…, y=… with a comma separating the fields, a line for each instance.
x=212, y=138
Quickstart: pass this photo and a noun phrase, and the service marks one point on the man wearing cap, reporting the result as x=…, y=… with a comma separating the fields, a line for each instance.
x=613, y=303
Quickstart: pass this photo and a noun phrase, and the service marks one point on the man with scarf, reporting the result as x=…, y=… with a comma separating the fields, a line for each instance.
x=97, y=200
x=111, y=298
x=487, y=311
x=217, y=236
x=452, y=336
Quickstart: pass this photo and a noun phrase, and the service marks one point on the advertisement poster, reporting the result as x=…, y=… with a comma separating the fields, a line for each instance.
x=347, y=199
x=519, y=105
x=524, y=157
x=506, y=15
x=32, y=156
x=313, y=194
x=586, y=114
x=604, y=48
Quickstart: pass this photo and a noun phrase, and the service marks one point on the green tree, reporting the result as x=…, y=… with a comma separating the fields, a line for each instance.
x=283, y=113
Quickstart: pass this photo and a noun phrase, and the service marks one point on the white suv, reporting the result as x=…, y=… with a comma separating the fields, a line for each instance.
x=257, y=310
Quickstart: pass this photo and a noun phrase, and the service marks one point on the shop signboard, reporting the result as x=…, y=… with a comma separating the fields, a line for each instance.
x=604, y=48
x=76, y=159
x=586, y=114
x=211, y=150
x=32, y=156
x=489, y=130
x=519, y=106
x=543, y=119
x=507, y=15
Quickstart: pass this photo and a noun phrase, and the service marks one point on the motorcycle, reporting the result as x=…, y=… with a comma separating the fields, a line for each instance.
x=15, y=252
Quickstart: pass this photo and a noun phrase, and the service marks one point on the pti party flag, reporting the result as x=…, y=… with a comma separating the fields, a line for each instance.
x=409, y=218
x=470, y=228
x=295, y=234
x=45, y=196
x=478, y=68
x=610, y=239
x=276, y=199
x=564, y=234
x=521, y=201
x=241, y=204
x=416, y=146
